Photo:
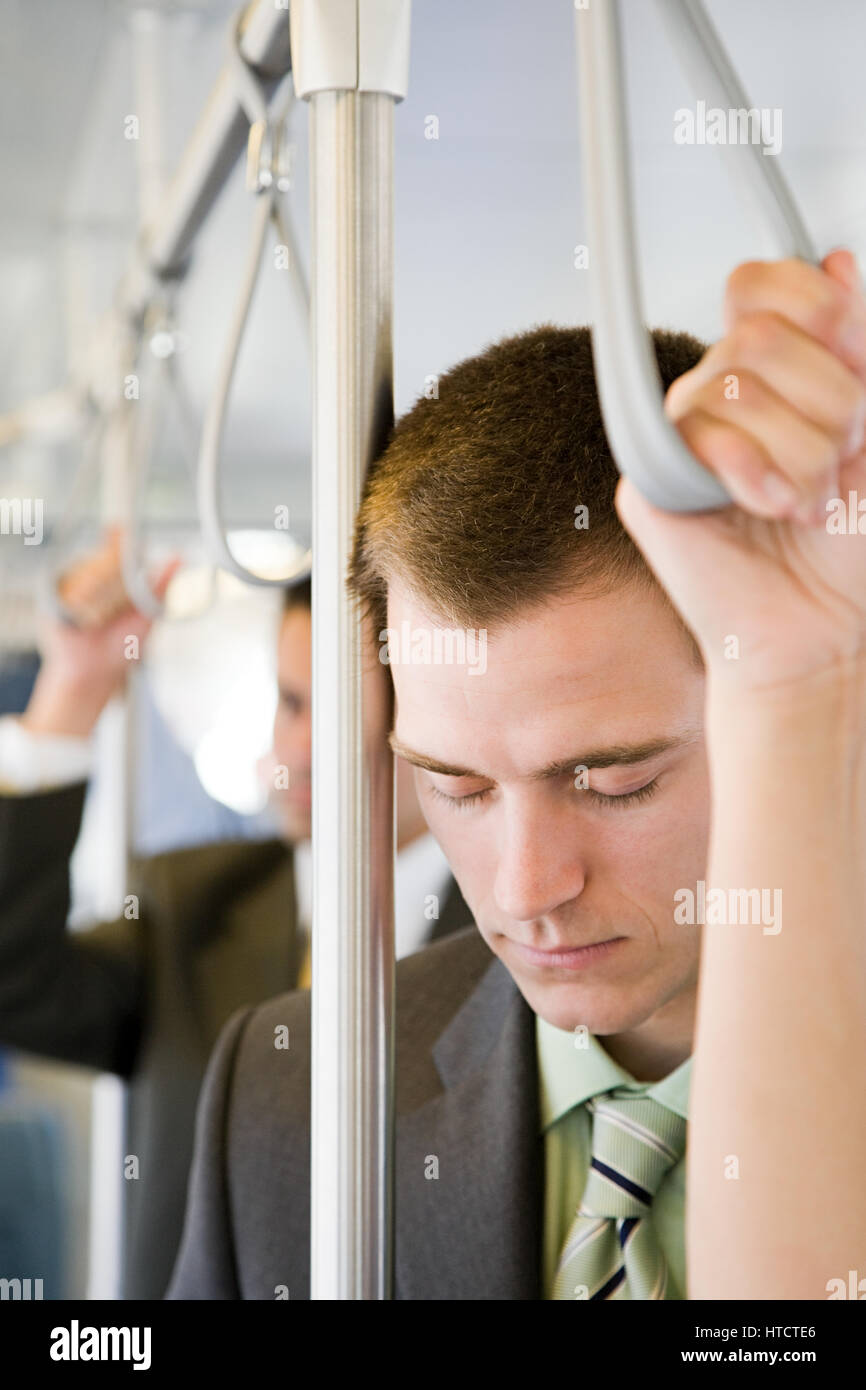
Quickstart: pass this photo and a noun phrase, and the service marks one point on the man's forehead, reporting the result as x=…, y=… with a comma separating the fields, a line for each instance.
x=568, y=649
x=572, y=675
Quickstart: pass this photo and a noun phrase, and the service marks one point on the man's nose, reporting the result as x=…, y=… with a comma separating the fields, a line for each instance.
x=540, y=866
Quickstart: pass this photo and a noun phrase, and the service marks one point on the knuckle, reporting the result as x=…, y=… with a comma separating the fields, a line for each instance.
x=726, y=447
x=791, y=268
x=855, y=401
x=829, y=312
x=822, y=453
x=756, y=335
x=750, y=393
x=845, y=411
x=743, y=455
x=742, y=279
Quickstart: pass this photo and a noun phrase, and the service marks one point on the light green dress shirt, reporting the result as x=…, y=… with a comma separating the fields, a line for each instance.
x=572, y=1068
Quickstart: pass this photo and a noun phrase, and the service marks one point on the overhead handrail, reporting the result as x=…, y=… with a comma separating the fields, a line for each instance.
x=268, y=177
x=162, y=251
x=646, y=445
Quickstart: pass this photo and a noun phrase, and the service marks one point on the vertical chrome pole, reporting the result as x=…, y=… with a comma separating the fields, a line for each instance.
x=350, y=60
x=353, y=949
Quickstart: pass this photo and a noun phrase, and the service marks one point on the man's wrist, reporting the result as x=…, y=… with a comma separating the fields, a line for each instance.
x=788, y=767
x=64, y=708
x=831, y=701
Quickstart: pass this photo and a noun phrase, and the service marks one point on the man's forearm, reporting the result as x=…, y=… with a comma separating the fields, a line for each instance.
x=777, y=1135
x=64, y=706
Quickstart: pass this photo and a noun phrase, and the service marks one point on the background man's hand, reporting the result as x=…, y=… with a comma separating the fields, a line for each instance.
x=84, y=664
x=766, y=570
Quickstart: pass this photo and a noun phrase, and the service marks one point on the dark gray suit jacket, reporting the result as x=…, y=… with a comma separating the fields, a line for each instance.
x=146, y=997
x=466, y=1093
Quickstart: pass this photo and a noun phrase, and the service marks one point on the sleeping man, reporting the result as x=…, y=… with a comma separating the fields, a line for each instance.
x=667, y=700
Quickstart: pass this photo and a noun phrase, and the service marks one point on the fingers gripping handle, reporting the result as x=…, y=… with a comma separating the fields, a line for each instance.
x=646, y=445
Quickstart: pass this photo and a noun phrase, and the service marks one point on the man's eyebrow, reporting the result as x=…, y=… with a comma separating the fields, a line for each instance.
x=610, y=755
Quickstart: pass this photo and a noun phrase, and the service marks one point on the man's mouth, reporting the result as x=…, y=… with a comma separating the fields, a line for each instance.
x=568, y=957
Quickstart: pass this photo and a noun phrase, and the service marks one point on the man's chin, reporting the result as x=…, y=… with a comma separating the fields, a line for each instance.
x=569, y=1006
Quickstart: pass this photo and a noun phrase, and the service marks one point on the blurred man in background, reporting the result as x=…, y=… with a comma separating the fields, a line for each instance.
x=208, y=928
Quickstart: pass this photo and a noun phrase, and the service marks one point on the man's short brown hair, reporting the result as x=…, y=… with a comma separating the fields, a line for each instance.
x=473, y=504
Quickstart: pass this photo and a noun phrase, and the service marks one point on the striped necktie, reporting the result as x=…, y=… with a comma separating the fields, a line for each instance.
x=611, y=1250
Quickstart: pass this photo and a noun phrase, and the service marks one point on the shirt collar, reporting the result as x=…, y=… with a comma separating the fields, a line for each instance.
x=569, y=1074
x=421, y=870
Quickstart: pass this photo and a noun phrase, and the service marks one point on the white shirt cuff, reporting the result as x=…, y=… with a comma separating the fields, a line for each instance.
x=31, y=762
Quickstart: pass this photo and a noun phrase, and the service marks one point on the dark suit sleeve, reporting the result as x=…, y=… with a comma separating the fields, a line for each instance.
x=205, y=1266
x=76, y=996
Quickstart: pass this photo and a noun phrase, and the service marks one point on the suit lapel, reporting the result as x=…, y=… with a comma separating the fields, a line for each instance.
x=473, y=1232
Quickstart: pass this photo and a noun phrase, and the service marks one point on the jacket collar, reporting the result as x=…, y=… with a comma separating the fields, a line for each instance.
x=473, y=1230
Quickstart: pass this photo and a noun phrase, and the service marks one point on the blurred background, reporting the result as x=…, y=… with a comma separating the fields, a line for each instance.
x=488, y=215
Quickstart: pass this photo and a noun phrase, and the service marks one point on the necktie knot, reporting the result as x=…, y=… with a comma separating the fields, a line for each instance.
x=635, y=1142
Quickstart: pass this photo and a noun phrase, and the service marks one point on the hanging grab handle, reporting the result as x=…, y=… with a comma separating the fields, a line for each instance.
x=139, y=456
x=267, y=177
x=646, y=445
